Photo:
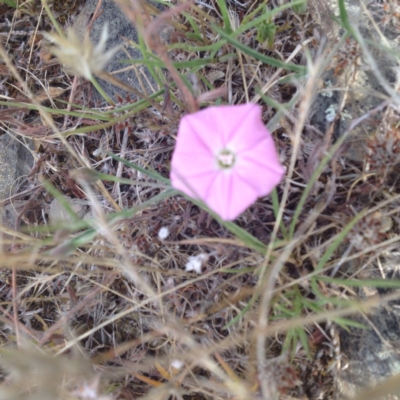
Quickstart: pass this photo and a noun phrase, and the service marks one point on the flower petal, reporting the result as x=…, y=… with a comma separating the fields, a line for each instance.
x=190, y=164
x=190, y=139
x=231, y=119
x=202, y=124
x=251, y=132
x=196, y=186
x=260, y=167
x=230, y=195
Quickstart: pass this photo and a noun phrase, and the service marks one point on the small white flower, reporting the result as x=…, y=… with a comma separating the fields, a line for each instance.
x=163, y=233
x=177, y=364
x=195, y=263
x=81, y=56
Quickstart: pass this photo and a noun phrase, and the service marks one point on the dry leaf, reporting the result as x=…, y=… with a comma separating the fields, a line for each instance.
x=45, y=54
x=214, y=75
x=51, y=92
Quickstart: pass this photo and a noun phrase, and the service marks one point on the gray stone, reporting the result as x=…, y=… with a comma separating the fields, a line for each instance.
x=8, y=216
x=370, y=355
x=15, y=161
x=120, y=29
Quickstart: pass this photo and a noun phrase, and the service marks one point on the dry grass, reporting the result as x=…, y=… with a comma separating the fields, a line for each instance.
x=102, y=307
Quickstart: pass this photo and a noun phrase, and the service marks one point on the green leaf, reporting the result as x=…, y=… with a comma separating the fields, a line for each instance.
x=253, y=22
x=289, y=338
x=146, y=54
x=344, y=17
x=266, y=30
x=188, y=47
x=197, y=34
x=225, y=15
x=10, y=3
x=345, y=322
x=194, y=36
x=202, y=62
x=250, y=240
x=300, y=8
x=304, y=341
x=198, y=63
x=89, y=114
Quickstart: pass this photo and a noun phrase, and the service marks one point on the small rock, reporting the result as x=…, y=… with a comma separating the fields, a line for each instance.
x=16, y=161
x=370, y=355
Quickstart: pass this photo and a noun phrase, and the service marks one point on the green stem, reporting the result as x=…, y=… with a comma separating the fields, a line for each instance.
x=53, y=20
x=101, y=90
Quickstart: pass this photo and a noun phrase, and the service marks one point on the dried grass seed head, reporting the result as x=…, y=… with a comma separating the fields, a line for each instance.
x=81, y=57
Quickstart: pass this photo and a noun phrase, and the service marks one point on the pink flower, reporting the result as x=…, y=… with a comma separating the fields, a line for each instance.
x=226, y=157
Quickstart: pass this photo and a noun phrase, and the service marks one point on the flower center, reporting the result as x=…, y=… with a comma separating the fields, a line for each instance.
x=226, y=159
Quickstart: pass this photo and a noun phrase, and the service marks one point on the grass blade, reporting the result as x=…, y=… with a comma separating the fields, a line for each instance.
x=225, y=16
x=273, y=62
x=151, y=173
